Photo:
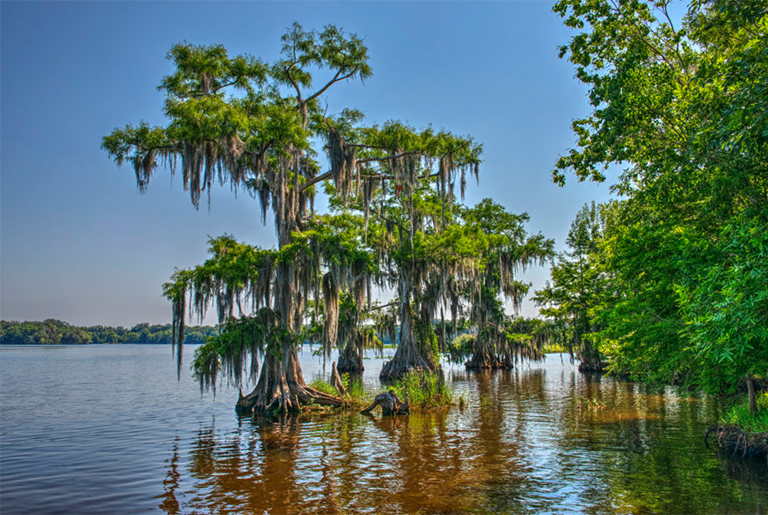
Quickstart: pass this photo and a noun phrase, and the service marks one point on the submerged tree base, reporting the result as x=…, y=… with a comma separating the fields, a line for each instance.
x=487, y=361
x=289, y=399
x=739, y=442
x=281, y=388
x=350, y=361
x=404, y=363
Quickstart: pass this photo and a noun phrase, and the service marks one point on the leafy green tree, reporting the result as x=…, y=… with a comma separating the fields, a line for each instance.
x=681, y=108
x=727, y=311
x=431, y=259
x=263, y=138
x=576, y=287
x=507, y=249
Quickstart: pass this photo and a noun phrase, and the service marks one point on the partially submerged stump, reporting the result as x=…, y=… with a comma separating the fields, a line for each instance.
x=390, y=404
x=740, y=443
x=336, y=381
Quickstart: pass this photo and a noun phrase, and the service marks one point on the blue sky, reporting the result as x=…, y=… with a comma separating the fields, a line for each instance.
x=77, y=241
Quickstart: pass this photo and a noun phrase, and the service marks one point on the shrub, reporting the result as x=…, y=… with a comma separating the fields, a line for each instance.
x=739, y=415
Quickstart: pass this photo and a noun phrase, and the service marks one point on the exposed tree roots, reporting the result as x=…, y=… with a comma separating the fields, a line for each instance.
x=281, y=388
x=739, y=443
x=336, y=381
x=406, y=359
x=390, y=404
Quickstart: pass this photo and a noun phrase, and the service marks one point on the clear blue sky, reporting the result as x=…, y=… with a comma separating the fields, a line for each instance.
x=77, y=241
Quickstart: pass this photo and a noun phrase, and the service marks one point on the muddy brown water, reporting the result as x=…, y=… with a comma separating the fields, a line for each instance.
x=109, y=429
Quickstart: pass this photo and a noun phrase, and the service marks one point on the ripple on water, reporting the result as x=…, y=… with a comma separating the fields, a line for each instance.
x=110, y=430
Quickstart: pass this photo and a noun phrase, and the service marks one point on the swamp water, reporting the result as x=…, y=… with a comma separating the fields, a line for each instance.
x=109, y=429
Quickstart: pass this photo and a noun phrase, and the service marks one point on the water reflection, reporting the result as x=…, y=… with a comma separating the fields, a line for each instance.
x=536, y=439
x=539, y=440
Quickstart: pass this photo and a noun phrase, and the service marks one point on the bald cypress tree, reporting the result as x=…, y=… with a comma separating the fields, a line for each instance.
x=257, y=126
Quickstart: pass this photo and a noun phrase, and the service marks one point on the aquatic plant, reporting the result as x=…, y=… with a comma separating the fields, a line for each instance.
x=424, y=390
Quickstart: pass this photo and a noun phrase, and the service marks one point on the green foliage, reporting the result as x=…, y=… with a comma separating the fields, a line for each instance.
x=739, y=415
x=424, y=390
x=577, y=282
x=680, y=286
x=554, y=348
x=233, y=352
x=507, y=249
x=726, y=310
x=355, y=388
x=461, y=347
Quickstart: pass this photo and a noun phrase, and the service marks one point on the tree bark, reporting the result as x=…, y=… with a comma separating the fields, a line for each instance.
x=485, y=359
x=408, y=355
x=350, y=359
x=281, y=388
x=336, y=381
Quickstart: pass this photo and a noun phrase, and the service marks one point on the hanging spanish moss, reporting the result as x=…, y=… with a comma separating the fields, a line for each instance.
x=262, y=141
x=331, y=306
x=343, y=161
x=512, y=252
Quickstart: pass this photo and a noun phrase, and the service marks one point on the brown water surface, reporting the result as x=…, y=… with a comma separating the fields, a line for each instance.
x=108, y=429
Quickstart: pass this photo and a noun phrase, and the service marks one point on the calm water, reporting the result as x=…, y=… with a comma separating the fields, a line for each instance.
x=108, y=429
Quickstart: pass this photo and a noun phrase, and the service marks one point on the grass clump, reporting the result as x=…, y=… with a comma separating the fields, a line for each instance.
x=739, y=415
x=355, y=390
x=424, y=390
x=324, y=387
x=355, y=396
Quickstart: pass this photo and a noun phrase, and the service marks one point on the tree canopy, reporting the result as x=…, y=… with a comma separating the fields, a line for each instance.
x=261, y=127
x=680, y=107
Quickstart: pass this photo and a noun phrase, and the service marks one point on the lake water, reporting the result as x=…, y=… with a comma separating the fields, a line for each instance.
x=109, y=429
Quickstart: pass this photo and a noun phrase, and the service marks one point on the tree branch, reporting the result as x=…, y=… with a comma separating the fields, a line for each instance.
x=396, y=156
x=314, y=180
x=293, y=82
x=334, y=80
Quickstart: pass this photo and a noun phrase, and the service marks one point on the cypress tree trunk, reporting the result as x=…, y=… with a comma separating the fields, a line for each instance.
x=350, y=359
x=408, y=355
x=484, y=357
x=281, y=386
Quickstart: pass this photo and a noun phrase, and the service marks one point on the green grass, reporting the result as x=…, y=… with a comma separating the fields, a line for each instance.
x=425, y=391
x=356, y=396
x=323, y=386
x=739, y=415
x=355, y=389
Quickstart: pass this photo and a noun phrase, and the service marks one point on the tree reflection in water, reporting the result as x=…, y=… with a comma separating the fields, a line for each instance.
x=527, y=440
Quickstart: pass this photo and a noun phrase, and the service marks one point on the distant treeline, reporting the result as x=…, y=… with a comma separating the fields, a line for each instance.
x=53, y=332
